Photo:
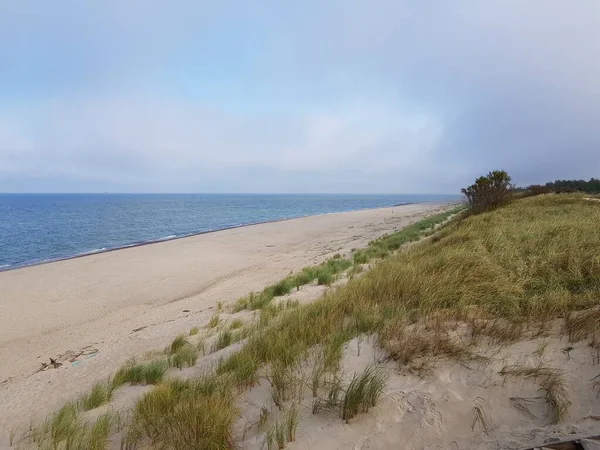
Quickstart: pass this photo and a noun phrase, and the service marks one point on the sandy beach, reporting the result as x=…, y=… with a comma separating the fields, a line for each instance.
x=97, y=311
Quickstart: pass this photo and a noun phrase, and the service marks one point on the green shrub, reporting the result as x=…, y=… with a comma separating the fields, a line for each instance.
x=488, y=192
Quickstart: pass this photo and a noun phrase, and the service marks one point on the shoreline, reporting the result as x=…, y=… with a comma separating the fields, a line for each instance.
x=12, y=267
x=119, y=305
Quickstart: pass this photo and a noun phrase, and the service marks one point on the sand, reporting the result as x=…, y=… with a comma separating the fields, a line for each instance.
x=95, y=312
x=116, y=305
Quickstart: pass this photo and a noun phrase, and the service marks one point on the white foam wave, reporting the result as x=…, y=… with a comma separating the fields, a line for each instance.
x=171, y=236
x=91, y=252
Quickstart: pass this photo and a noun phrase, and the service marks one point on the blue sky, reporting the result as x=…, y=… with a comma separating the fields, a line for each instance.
x=313, y=96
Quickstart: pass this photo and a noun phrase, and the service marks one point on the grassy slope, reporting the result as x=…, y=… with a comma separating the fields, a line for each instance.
x=501, y=274
x=529, y=262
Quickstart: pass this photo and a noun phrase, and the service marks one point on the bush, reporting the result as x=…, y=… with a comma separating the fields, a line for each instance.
x=536, y=189
x=488, y=192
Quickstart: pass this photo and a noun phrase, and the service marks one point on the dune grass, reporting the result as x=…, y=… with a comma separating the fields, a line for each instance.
x=283, y=430
x=236, y=323
x=552, y=384
x=499, y=273
x=184, y=356
x=137, y=373
x=517, y=267
x=66, y=430
x=185, y=415
x=194, y=331
x=179, y=342
x=214, y=321
x=503, y=272
x=362, y=393
x=169, y=415
x=100, y=394
x=325, y=273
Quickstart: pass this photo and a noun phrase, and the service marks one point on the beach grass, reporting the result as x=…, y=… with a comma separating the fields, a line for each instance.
x=505, y=271
x=325, y=272
x=184, y=356
x=284, y=429
x=177, y=414
x=500, y=274
x=65, y=429
x=362, y=393
x=236, y=323
x=214, y=321
x=141, y=373
x=179, y=342
x=100, y=394
x=499, y=267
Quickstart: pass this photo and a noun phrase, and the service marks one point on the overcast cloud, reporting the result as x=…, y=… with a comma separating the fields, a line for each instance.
x=318, y=96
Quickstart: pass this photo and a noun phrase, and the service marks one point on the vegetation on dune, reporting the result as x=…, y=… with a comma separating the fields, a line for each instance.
x=65, y=430
x=185, y=415
x=214, y=321
x=387, y=244
x=326, y=272
x=283, y=430
x=488, y=192
x=100, y=394
x=514, y=268
x=500, y=274
x=179, y=342
x=362, y=393
x=137, y=373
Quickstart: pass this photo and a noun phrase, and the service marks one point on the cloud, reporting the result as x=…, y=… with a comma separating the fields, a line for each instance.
x=130, y=140
x=348, y=96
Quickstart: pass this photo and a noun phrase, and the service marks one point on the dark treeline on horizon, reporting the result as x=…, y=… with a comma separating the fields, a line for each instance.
x=592, y=186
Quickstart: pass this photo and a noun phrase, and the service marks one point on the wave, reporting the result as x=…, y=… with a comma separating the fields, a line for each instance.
x=91, y=252
x=166, y=238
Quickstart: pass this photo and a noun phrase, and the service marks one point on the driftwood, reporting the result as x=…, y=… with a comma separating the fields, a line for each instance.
x=53, y=364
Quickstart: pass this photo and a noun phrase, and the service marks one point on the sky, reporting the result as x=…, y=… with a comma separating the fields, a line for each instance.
x=331, y=96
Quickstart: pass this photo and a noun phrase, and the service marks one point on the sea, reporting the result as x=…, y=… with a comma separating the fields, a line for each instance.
x=38, y=228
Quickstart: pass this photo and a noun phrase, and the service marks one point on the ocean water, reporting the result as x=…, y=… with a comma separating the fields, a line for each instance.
x=36, y=228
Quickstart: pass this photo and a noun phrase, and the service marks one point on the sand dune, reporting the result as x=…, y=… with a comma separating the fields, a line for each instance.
x=93, y=313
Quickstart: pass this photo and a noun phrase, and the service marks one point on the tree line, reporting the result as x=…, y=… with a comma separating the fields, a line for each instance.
x=495, y=189
x=592, y=186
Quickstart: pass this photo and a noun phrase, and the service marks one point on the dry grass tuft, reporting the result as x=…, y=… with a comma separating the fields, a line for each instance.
x=552, y=384
x=407, y=343
x=584, y=325
x=556, y=395
x=521, y=404
x=481, y=417
x=499, y=330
